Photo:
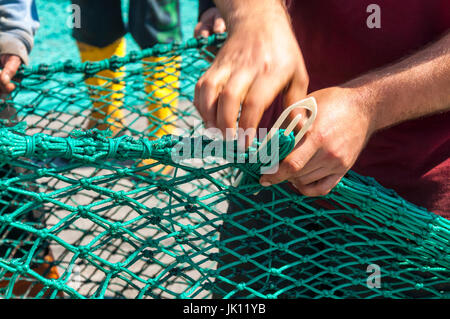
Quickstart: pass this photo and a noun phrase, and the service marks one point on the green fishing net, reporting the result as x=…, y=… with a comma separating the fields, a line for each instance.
x=87, y=212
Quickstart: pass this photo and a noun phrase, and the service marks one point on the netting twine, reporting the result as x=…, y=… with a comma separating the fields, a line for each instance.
x=87, y=215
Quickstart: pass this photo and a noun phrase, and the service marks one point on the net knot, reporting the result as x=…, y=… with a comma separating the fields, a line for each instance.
x=116, y=267
x=319, y=213
x=41, y=197
x=114, y=63
x=43, y=68
x=306, y=258
x=147, y=148
x=42, y=172
x=83, y=252
x=387, y=294
x=20, y=268
x=245, y=258
x=119, y=196
x=187, y=229
x=275, y=271
x=85, y=183
x=252, y=232
x=30, y=145
x=418, y=286
x=69, y=66
x=56, y=284
x=69, y=149
x=4, y=184
x=43, y=233
x=283, y=247
x=115, y=229
x=175, y=271
x=83, y=211
x=113, y=146
x=91, y=68
x=6, y=219
x=148, y=253
x=241, y=286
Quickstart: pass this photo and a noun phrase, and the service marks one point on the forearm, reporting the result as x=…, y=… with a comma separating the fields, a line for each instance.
x=414, y=87
x=235, y=11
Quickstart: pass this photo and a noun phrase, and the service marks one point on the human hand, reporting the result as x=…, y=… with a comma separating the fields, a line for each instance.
x=10, y=64
x=210, y=22
x=260, y=59
x=343, y=125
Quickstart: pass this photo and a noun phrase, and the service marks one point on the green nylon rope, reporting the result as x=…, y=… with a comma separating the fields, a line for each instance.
x=115, y=63
x=81, y=216
x=95, y=145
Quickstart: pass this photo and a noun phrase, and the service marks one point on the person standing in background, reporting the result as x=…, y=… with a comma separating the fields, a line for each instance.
x=101, y=36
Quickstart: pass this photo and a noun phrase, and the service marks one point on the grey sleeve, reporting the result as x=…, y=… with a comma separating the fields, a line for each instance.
x=18, y=24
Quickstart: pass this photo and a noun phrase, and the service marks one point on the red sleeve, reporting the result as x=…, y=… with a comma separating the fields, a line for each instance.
x=444, y=21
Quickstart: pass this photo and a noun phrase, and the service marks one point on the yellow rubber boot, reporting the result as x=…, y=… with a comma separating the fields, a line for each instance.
x=107, y=96
x=162, y=88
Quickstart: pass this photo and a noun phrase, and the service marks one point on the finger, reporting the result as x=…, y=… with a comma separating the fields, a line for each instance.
x=321, y=187
x=205, y=100
x=205, y=33
x=295, y=92
x=229, y=101
x=9, y=86
x=11, y=66
x=5, y=83
x=207, y=91
x=292, y=165
x=317, y=161
x=219, y=24
x=297, y=89
x=202, y=30
x=259, y=97
x=313, y=176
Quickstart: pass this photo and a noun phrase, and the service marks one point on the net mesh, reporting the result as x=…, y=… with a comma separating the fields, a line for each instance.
x=84, y=214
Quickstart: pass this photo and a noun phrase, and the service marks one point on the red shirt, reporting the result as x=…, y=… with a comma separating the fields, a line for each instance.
x=412, y=158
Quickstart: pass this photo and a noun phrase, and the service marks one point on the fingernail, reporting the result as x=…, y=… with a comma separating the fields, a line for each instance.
x=265, y=184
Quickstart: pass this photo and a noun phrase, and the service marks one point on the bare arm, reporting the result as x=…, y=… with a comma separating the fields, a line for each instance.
x=260, y=59
x=349, y=114
x=416, y=86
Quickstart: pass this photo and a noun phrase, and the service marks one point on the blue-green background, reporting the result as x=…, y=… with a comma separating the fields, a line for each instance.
x=53, y=41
